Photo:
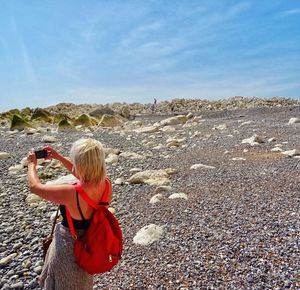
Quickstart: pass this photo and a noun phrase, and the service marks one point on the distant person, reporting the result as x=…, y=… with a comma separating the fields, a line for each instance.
x=153, y=106
x=172, y=108
x=60, y=271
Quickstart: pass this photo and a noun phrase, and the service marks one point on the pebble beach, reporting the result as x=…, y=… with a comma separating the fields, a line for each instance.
x=205, y=200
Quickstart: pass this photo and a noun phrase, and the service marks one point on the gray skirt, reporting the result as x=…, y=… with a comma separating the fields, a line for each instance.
x=60, y=271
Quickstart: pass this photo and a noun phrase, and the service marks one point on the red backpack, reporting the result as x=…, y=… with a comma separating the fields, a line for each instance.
x=99, y=249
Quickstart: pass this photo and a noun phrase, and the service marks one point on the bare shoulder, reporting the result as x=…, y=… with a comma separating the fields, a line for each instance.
x=58, y=193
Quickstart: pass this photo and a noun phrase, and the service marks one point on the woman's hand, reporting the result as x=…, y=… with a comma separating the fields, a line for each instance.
x=52, y=153
x=31, y=158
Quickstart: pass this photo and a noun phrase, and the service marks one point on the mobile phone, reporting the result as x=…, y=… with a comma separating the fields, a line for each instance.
x=41, y=154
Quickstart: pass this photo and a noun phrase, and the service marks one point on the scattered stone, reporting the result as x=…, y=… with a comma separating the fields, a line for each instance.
x=245, y=123
x=276, y=149
x=177, y=120
x=49, y=139
x=156, y=198
x=148, y=234
x=18, y=285
x=178, y=195
x=33, y=198
x=148, y=129
x=119, y=181
x=112, y=159
x=4, y=261
x=66, y=179
x=151, y=177
x=132, y=155
x=238, y=158
x=254, y=140
x=4, y=155
x=221, y=127
x=291, y=153
x=293, y=121
x=202, y=166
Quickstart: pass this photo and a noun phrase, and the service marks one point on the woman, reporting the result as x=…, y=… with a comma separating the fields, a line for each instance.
x=87, y=163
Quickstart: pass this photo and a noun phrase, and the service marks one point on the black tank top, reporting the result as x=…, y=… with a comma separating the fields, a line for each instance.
x=78, y=224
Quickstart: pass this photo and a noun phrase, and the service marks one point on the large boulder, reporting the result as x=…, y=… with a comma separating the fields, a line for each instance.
x=85, y=121
x=65, y=125
x=98, y=113
x=26, y=111
x=126, y=113
x=151, y=177
x=148, y=234
x=10, y=113
x=57, y=117
x=19, y=123
x=41, y=115
x=110, y=121
x=180, y=119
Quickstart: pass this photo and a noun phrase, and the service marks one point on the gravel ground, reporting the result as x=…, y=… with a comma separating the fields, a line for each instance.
x=239, y=228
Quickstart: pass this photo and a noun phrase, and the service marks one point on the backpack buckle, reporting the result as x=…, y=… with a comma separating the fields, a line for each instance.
x=110, y=258
x=74, y=237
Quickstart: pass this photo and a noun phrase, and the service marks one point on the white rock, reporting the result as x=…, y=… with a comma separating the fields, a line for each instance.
x=66, y=179
x=151, y=177
x=148, y=234
x=254, y=140
x=180, y=119
x=49, y=139
x=238, y=158
x=271, y=139
x=178, y=195
x=156, y=198
x=190, y=115
x=112, y=159
x=202, y=166
x=132, y=155
x=134, y=170
x=119, y=181
x=30, y=131
x=291, y=153
x=4, y=261
x=32, y=198
x=245, y=123
x=108, y=151
x=149, y=129
x=168, y=129
x=221, y=127
x=4, y=155
x=15, y=169
x=276, y=149
x=293, y=121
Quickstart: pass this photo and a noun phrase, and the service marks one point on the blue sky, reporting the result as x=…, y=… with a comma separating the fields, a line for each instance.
x=131, y=51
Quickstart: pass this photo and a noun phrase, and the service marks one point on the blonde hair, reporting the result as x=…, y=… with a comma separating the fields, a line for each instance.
x=88, y=158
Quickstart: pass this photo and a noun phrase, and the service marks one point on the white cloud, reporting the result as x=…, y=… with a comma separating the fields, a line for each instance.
x=290, y=12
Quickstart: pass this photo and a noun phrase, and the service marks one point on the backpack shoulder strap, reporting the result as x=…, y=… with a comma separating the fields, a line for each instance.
x=83, y=194
x=91, y=203
x=70, y=223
